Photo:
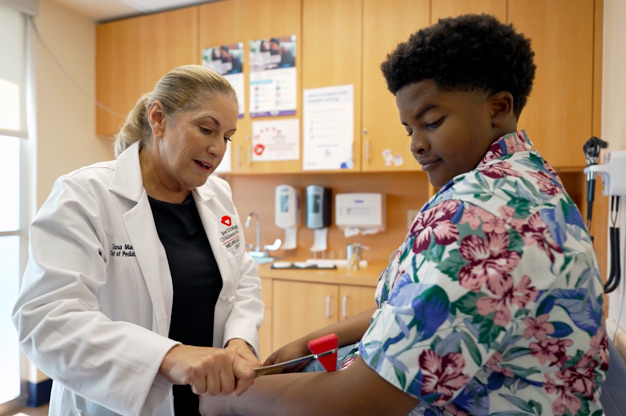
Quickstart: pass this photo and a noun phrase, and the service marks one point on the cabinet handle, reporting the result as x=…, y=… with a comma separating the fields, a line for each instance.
x=328, y=306
x=367, y=150
x=344, y=307
x=238, y=155
x=249, y=155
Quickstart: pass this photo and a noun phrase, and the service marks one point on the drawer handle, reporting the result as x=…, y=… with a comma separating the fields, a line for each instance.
x=344, y=307
x=328, y=306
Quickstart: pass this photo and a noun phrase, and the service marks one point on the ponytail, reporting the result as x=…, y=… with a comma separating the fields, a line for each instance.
x=135, y=128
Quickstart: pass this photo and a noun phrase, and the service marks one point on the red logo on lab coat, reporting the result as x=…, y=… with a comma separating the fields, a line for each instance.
x=226, y=220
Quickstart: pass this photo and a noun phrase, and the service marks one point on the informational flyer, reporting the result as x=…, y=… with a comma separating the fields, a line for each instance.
x=328, y=138
x=273, y=89
x=275, y=140
x=227, y=60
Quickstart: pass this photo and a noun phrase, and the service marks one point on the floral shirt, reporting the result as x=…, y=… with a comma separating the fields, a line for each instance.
x=493, y=303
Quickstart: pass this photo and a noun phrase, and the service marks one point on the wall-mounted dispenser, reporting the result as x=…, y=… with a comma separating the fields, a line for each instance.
x=288, y=213
x=360, y=213
x=318, y=215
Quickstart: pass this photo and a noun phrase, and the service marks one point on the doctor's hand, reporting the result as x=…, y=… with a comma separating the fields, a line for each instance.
x=241, y=348
x=207, y=370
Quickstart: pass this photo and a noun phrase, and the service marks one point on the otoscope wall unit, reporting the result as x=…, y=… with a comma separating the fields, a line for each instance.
x=612, y=172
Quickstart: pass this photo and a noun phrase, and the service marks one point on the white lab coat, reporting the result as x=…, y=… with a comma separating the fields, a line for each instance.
x=94, y=309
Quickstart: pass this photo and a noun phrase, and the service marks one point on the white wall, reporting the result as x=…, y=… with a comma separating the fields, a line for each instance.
x=64, y=72
x=64, y=95
x=614, y=127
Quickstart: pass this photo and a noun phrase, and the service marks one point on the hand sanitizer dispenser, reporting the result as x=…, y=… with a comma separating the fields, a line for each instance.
x=288, y=213
x=318, y=214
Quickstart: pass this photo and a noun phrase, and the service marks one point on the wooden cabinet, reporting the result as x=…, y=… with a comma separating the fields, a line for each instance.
x=558, y=116
x=384, y=139
x=302, y=307
x=132, y=54
x=265, y=331
x=332, y=45
x=234, y=21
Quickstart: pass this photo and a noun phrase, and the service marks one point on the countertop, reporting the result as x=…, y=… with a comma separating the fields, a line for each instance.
x=365, y=276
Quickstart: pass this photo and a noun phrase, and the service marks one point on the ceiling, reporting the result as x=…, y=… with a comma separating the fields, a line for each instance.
x=105, y=10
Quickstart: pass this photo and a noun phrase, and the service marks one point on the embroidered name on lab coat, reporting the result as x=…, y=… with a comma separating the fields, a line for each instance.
x=230, y=235
x=118, y=250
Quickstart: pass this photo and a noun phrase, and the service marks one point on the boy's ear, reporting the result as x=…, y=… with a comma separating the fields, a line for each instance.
x=501, y=107
x=156, y=118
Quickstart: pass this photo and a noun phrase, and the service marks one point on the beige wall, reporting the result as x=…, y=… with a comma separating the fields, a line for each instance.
x=64, y=91
x=64, y=72
x=614, y=123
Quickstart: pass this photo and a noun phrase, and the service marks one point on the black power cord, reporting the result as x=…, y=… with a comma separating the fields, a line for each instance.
x=616, y=266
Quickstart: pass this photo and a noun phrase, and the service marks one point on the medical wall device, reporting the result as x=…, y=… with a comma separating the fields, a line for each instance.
x=318, y=199
x=288, y=213
x=613, y=174
x=360, y=213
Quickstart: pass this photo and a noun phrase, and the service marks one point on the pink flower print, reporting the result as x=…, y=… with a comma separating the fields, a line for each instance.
x=487, y=259
x=472, y=216
x=546, y=183
x=550, y=350
x=493, y=224
x=538, y=328
x=580, y=377
x=442, y=375
x=455, y=411
x=499, y=170
x=564, y=398
x=600, y=345
x=435, y=222
x=494, y=152
x=524, y=292
x=535, y=231
x=515, y=143
x=494, y=363
x=507, y=213
x=550, y=169
x=505, y=294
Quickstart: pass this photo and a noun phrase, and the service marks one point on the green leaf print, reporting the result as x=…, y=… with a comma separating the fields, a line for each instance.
x=467, y=303
x=451, y=265
x=519, y=403
x=520, y=205
x=472, y=348
x=488, y=331
x=401, y=376
x=537, y=408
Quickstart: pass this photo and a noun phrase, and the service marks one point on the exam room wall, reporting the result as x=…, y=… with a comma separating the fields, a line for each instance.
x=614, y=129
x=64, y=96
x=64, y=78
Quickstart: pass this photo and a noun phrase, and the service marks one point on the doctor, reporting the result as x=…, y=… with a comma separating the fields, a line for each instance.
x=138, y=295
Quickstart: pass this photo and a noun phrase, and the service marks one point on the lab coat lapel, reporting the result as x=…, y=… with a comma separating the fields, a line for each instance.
x=139, y=223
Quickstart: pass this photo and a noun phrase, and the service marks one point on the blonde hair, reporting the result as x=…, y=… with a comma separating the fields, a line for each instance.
x=178, y=90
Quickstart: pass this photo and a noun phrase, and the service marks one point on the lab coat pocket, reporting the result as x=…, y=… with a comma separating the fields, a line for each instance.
x=234, y=263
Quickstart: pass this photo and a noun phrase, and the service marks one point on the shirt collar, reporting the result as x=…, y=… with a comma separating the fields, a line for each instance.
x=507, y=145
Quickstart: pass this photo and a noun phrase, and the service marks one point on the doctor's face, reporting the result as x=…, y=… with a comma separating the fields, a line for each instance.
x=193, y=142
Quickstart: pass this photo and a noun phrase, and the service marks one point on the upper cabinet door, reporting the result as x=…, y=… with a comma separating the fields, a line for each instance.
x=331, y=32
x=234, y=21
x=133, y=54
x=558, y=114
x=119, y=73
x=384, y=139
x=452, y=8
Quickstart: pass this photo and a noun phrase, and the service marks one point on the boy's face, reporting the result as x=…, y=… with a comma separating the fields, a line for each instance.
x=450, y=130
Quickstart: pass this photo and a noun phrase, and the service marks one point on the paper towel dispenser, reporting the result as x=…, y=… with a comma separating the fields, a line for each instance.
x=360, y=213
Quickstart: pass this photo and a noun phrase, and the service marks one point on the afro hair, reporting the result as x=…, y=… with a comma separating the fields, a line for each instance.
x=468, y=52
